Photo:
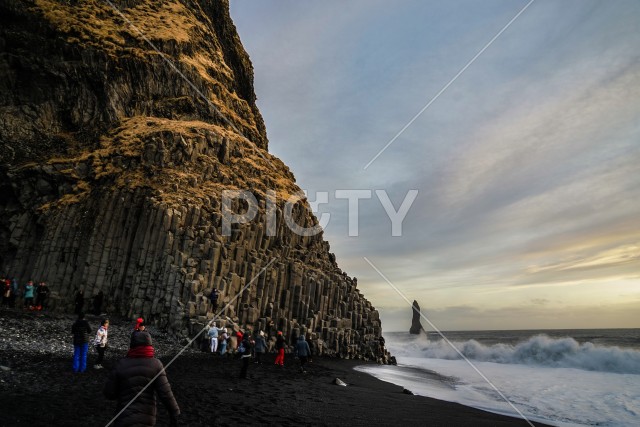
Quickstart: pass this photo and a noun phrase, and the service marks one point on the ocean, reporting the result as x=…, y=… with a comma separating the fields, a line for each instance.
x=558, y=377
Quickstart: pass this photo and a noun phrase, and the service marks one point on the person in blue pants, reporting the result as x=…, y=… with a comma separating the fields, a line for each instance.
x=81, y=334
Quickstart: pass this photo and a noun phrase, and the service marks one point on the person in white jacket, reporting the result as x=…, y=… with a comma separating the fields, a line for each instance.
x=100, y=342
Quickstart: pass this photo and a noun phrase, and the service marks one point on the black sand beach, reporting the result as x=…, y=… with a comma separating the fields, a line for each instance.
x=40, y=389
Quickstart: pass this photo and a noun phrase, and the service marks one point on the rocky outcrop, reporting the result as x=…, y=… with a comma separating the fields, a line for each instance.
x=416, y=326
x=114, y=158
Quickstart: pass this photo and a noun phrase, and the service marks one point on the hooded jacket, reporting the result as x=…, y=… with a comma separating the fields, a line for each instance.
x=127, y=379
x=302, y=347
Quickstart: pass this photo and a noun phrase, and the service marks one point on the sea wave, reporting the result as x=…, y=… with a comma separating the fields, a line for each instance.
x=539, y=350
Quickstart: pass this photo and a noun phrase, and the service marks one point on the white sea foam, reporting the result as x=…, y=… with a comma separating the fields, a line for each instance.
x=539, y=350
x=555, y=381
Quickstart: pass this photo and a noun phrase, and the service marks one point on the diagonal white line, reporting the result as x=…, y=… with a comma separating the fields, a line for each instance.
x=447, y=85
x=191, y=341
x=189, y=82
x=449, y=342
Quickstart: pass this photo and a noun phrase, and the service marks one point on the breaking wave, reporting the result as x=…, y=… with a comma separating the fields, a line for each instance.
x=539, y=350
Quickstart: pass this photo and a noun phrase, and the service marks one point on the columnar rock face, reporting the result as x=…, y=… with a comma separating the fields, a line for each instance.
x=115, y=156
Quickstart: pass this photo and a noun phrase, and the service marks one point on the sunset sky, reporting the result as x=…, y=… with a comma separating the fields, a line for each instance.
x=527, y=165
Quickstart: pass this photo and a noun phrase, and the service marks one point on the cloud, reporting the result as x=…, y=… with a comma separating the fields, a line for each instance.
x=526, y=167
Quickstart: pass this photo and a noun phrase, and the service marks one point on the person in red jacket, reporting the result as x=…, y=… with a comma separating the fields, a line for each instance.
x=239, y=337
x=136, y=381
x=280, y=349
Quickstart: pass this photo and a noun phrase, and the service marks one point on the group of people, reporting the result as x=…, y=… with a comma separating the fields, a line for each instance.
x=139, y=378
x=35, y=297
x=251, y=347
x=220, y=341
x=82, y=336
x=135, y=380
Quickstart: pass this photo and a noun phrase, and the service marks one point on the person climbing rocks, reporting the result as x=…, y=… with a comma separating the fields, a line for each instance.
x=136, y=381
x=213, y=298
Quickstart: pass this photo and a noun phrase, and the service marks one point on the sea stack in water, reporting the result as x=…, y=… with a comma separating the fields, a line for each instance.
x=416, y=326
x=114, y=161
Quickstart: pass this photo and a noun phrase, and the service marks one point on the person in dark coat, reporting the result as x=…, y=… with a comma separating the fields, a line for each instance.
x=42, y=296
x=260, y=346
x=140, y=372
x=79, y=301
x=245, y=350
x=302, y=351
x=80, y=330
x=213, y=298
x=97, y=303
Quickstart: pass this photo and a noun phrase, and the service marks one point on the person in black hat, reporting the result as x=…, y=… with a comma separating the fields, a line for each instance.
x=136, y=381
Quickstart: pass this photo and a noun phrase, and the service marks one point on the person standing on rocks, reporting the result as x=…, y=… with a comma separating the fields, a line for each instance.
x=223, y=341
x=97, y=303
x=239, y=337
x=80, y=331
x=6, y=293
x=79, y=301
x=245, y=349
x=42, y=295
x=100, y=342
x=136, y=382
x=28, y=294
x=280, y=349
x=213, y=335
x=15, y=289
x=260, y=346
x=302, y=351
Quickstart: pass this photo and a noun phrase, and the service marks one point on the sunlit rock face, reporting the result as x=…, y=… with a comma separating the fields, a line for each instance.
x=120, y=130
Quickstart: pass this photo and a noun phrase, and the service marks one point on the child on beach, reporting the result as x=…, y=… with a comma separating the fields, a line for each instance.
x=100, y=342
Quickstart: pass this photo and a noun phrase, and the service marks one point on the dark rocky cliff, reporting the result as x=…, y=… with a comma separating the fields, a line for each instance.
x=113, y=163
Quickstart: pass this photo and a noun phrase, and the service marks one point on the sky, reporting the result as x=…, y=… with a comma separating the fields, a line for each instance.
x=526, y=166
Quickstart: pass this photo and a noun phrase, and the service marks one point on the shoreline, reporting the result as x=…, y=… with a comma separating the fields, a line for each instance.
x=40, y=390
